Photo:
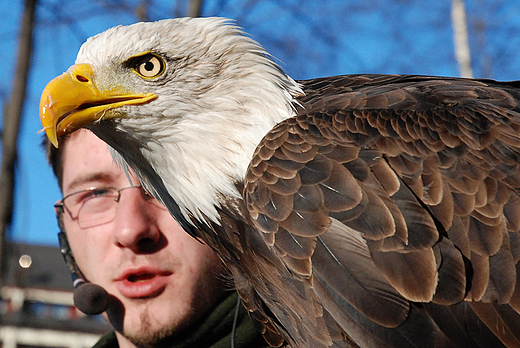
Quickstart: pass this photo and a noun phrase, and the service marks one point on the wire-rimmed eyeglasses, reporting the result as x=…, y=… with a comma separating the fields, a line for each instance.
x=97, y=206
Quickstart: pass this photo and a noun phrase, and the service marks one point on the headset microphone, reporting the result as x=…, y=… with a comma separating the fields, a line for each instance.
x=89, y=298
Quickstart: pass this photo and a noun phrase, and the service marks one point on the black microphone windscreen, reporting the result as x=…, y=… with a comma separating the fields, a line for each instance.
x=91, y=299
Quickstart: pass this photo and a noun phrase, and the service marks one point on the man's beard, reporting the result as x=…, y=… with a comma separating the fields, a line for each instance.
x=150, y=337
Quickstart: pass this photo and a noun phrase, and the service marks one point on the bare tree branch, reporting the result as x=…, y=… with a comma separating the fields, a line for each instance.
x=11, y=123
x=141, y=12
x=195, y=8
x=460, y=32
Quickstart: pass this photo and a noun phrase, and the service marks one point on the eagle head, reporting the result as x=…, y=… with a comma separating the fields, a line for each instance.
x=184, y=102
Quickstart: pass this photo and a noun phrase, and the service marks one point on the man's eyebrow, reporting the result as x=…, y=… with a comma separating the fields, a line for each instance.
x=81, y=180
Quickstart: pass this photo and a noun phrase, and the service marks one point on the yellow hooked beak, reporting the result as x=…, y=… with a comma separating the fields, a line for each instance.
x=72, y=101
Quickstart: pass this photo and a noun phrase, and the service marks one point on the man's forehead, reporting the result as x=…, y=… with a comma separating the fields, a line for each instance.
x=87, y=162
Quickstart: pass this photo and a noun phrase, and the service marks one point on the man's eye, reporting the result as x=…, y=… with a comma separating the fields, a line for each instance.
x=99, y=192
x=146, y=195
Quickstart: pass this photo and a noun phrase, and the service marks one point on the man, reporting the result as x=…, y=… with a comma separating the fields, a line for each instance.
x=166, y=288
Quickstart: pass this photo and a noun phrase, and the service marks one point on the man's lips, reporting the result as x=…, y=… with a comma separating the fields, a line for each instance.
x=142, y=282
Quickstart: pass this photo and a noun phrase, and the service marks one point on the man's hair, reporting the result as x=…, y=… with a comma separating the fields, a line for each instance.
x=54, y=156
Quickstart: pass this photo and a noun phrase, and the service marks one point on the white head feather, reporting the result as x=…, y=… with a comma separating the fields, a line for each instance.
x=218, y=97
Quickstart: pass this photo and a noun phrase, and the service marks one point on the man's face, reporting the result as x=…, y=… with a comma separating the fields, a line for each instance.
x=160, y=278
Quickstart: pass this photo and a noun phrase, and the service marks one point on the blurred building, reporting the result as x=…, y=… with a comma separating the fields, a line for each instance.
x=36, y=306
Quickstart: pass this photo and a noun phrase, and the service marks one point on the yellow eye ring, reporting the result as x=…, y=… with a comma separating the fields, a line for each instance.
x=148, y=66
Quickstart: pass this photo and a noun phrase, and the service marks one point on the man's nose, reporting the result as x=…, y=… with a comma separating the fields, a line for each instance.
x=135, y=224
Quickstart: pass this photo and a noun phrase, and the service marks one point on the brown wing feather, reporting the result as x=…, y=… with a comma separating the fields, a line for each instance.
x=426, y=172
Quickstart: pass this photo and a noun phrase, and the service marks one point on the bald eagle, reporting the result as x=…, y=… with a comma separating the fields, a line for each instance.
x=355, y=210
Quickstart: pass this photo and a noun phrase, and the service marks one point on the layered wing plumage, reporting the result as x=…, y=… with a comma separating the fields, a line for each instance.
x=394, y=196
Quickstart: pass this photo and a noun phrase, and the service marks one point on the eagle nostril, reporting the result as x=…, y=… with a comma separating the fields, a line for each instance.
x=82, y=78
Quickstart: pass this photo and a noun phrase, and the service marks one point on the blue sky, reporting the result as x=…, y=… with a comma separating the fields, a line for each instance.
x=309, y=38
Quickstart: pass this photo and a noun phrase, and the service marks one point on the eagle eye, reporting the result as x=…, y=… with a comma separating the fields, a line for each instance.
x=148, y=66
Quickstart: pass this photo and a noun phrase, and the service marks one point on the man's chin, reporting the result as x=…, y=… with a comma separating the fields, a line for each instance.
x=151, y=339
x=151, y=336
x=150, y=329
